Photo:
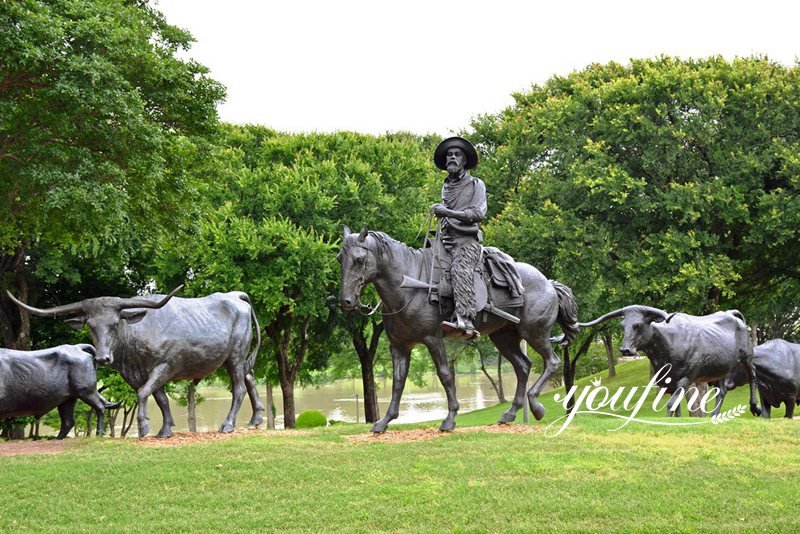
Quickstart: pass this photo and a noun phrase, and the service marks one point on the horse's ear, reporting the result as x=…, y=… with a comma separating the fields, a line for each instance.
x=346, y=230
x=363, y=235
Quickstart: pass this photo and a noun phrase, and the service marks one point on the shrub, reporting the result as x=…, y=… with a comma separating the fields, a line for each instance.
x=311, y=419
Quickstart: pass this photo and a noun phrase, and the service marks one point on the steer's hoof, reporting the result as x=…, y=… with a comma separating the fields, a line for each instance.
x=755, y=410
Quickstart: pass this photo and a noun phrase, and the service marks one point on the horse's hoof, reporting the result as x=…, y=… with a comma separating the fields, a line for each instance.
x=164, y=433
x=256, y=421
x=447, y=426
x=507, y=418
x=378, y=428
x=226, y=428
x=537, y=409
x=144, y=430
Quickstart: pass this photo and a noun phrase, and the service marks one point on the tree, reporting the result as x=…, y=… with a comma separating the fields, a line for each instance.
x=93, y=103
x=665, y=182
x=276, y=209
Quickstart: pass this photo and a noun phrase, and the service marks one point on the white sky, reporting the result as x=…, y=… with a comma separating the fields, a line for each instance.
x=377, y=66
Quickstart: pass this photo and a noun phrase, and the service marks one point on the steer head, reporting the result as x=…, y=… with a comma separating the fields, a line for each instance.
x=105, y=316
x=637, y=323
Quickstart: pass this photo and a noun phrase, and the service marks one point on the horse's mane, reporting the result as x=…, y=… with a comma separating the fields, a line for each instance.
x=387, y=244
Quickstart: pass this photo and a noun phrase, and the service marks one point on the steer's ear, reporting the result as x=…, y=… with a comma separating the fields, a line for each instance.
x=133, y=316
x=76, y=322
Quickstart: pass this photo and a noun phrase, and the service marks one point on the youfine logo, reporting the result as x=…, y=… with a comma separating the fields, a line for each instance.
x=598, y=400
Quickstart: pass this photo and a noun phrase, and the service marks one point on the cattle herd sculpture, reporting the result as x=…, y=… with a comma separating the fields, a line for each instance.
x=451, y=288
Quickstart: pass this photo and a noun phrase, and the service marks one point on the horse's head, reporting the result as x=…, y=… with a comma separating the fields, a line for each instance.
x=358, y=266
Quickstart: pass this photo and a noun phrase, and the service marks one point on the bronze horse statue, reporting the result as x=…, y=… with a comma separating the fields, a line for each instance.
x=409, y=318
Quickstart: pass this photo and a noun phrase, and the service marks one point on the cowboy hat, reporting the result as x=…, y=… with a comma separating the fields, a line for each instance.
x=440, y=155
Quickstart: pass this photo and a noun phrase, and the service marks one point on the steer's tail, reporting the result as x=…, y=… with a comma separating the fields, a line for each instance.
x=251, y=360
x=567, y=313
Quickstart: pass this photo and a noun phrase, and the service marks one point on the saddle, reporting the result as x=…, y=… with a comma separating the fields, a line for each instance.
x=496, y=281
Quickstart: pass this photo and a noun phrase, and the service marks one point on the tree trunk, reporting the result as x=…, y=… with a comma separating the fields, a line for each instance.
x=128, y=416
x=366, y=356
x=111, y=422
x=287, y=370
x=191, y=405
x=16, y=433
x=24, y=332
x=608, y=342
x=500, y=393
x=270, y=408
x=15, y=334
x=89, y=417
x=497, y=389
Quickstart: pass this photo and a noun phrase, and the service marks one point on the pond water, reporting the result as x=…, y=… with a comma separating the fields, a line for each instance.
x=343, y=401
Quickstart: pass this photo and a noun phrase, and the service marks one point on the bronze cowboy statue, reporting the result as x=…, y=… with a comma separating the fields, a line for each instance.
x=454, y=288
x=457, y=271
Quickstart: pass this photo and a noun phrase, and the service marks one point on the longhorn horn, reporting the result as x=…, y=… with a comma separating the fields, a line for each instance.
x=664, y=316
x=610, y=315
x=142, y=303
x=66, y=309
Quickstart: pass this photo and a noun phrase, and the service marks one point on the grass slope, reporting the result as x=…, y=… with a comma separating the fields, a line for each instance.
x=738, y=475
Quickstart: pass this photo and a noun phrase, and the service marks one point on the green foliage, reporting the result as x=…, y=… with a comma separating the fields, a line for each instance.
x=311, y=419
x=97, y=115
x=664, y=182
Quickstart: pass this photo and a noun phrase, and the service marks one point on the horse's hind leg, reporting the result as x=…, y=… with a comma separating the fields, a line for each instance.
x=551, y=363
x=439, y=354
x=508, y=342
x=401, y=357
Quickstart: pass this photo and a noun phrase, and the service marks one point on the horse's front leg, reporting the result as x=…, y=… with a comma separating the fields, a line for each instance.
x=401, y=357
x=438, y=353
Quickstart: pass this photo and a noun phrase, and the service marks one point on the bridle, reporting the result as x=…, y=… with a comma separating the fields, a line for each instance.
x=360, y=281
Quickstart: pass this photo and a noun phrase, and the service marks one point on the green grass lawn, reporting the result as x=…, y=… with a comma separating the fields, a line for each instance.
x=740, y=475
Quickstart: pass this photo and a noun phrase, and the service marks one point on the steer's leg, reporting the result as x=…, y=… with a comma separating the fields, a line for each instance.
x=237, y=375
x=438, y=353
x=66, y=411
x=401, y=357
x=158, y=377
x=166, y=414
x=751, y=371
x=790, y=402
x=680, y=392
x=95, y=401
x=255, y=401
x=508, y=342
x=723, y=390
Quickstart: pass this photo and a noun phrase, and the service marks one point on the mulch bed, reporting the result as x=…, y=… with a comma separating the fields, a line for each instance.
x=178, y=439
x=27, y=446
x=422, y=434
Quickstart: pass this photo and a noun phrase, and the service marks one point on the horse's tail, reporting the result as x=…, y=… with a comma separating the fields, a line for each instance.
x=567, y=312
